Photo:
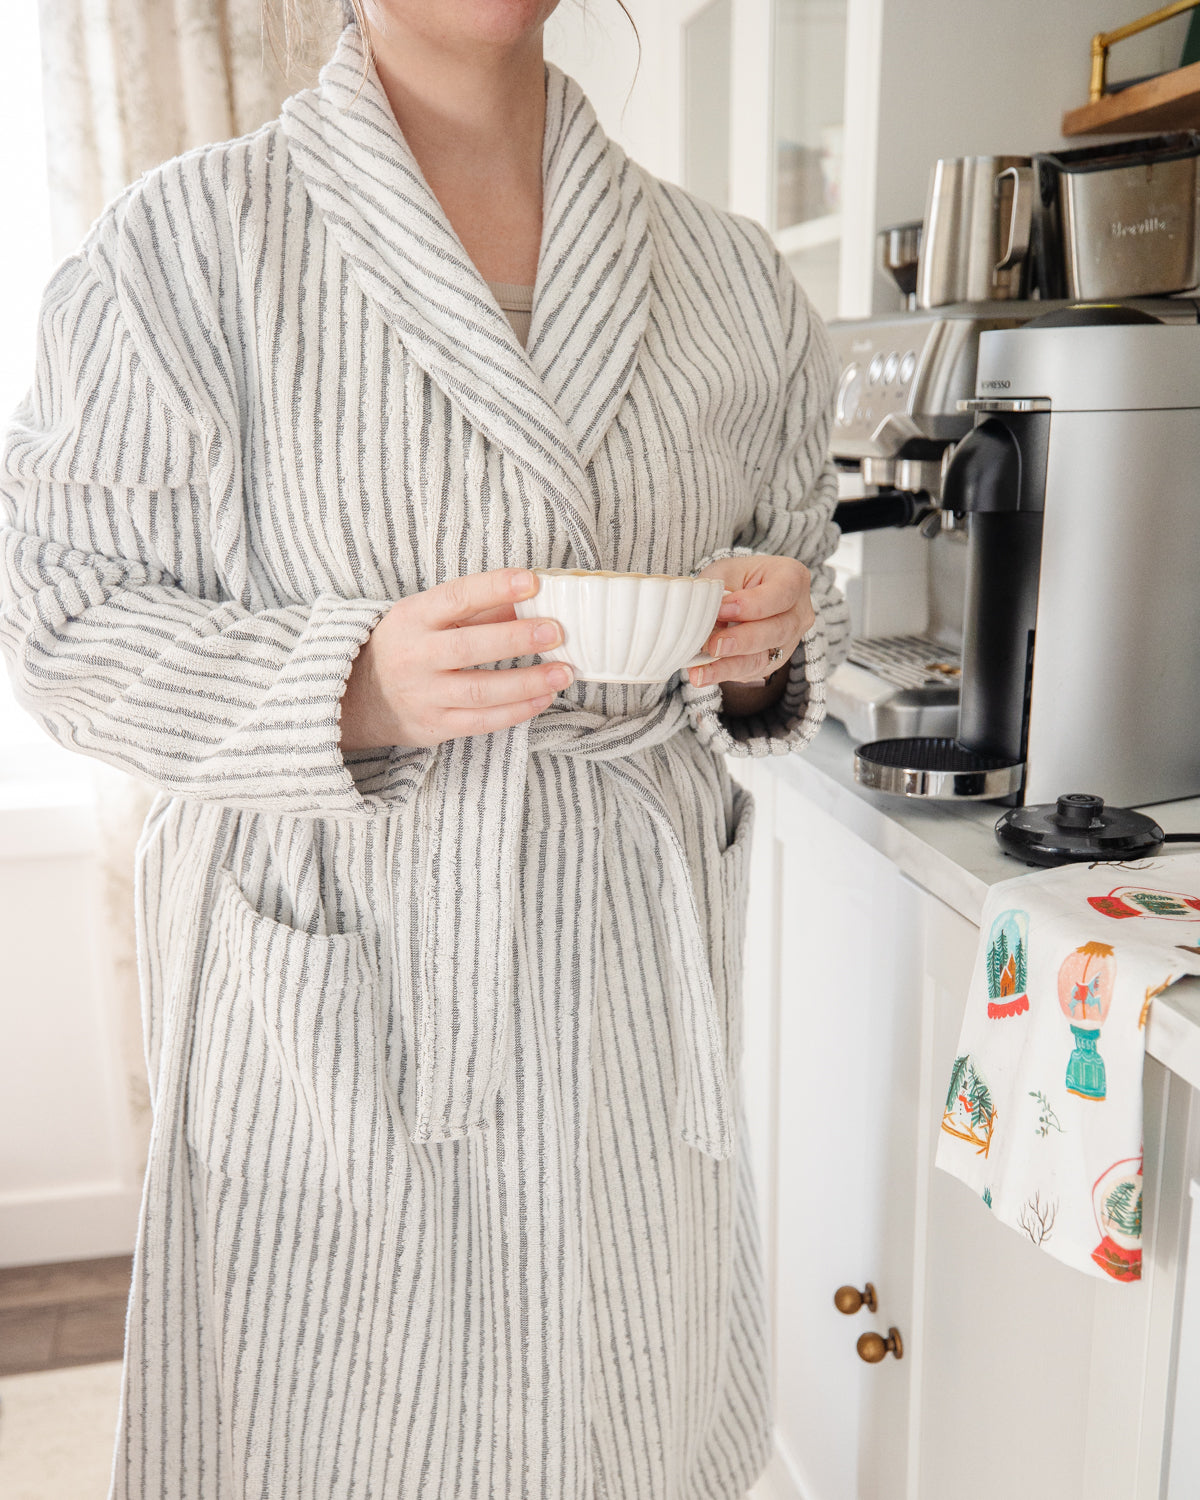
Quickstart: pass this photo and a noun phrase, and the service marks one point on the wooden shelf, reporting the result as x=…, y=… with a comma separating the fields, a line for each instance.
x=1169, y=102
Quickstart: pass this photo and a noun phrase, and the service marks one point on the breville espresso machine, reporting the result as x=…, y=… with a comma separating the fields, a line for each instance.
x=896, y=422
x=1079, y=485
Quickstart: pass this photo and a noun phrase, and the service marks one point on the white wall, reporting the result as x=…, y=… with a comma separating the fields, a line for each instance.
x=68, y=1178
x=593, y=42
x=972, y=77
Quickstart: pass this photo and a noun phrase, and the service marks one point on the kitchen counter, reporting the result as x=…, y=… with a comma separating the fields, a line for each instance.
x=950, y=850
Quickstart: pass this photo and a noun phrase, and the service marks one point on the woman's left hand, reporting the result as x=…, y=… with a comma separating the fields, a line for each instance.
x=770, y=606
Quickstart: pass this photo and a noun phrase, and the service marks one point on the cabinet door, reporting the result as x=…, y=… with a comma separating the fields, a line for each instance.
x=1034, y=1380
x=847, y=1072
x=809, y=72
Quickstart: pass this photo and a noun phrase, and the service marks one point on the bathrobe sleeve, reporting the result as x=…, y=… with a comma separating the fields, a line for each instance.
x=120, y=638
x=792, y=517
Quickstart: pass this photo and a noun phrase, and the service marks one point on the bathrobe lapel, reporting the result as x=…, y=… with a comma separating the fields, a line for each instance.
x=549, y=408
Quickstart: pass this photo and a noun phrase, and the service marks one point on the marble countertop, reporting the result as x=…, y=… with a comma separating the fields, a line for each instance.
x=950, y=850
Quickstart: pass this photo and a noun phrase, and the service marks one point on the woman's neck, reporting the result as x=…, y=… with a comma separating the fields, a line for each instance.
x=474, y=117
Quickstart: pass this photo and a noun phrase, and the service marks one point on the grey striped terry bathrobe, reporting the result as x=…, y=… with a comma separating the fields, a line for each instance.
x=448, y=1193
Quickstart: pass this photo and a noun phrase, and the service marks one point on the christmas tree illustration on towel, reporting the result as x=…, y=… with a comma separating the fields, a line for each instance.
x=1008, y=964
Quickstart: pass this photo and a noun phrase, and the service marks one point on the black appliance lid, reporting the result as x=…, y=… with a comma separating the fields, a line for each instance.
x=1078, y=828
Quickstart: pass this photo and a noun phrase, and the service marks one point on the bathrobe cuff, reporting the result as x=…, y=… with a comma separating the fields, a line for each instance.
x=375, y=778
x=789, y=724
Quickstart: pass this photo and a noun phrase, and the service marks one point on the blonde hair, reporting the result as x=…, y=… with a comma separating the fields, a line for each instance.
x=298, y=30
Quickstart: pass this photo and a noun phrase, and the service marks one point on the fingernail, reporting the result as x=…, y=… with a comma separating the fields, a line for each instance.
x=559, y=677
x=523, y=582
x=546, y=634
x=729, y=609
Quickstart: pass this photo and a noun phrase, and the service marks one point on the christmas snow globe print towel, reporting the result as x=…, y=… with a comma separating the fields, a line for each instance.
x=1007, y=965
x=1085, y=991
x=1043, y=1115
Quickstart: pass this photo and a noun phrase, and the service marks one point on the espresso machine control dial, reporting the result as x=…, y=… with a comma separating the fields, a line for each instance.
x=849, y=390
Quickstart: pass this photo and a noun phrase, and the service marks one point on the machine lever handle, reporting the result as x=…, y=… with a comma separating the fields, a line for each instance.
x=873, y=512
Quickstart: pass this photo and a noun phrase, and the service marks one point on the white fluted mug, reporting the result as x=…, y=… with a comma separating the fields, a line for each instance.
x=626, y=627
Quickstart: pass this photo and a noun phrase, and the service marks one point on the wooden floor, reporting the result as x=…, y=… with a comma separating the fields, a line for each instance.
x=71, y=1313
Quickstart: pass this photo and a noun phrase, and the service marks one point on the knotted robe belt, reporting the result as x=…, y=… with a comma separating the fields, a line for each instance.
x=467, y=938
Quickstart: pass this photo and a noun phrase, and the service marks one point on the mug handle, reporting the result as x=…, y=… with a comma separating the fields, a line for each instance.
x=1020, y=219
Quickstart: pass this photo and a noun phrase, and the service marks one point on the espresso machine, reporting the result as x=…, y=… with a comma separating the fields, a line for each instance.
x=902, y=559
x=1078, y=490
x=902, y=410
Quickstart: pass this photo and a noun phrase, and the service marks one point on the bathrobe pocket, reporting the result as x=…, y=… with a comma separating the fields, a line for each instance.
x=285, y=1083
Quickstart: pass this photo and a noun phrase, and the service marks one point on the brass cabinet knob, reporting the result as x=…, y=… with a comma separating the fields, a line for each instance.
x=873, y=1346
x=848, y=1299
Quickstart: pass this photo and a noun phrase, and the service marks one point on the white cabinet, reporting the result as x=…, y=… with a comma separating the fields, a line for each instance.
x=763, y=89
x=1019, y=1377
x=1006, y=1332
x=849, y=1008
x=832, y=1062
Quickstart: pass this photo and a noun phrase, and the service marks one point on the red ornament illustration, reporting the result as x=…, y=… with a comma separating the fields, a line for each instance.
x=1117, y=1204
x=1138, y=901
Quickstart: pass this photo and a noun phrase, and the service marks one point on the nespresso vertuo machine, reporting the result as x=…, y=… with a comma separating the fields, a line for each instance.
x=1080, y=485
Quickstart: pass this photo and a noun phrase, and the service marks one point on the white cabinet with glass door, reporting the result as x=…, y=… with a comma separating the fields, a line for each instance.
x=778, y=110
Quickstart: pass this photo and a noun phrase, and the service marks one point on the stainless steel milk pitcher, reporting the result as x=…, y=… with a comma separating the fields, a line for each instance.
x=978, y=215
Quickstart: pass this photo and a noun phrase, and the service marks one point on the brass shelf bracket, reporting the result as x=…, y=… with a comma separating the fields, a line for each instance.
x=1103, y=40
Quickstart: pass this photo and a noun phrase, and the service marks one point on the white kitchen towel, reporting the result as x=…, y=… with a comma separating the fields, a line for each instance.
x=1043, y=1109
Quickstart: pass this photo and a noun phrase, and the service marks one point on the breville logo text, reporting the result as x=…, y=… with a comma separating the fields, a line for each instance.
x=1152, y=225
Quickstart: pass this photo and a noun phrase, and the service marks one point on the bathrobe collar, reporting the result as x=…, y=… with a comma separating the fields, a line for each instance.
x=550, y=406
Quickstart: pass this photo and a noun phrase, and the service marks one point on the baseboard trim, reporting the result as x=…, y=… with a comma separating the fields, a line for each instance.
x=100, y=1219
x=780, y=1480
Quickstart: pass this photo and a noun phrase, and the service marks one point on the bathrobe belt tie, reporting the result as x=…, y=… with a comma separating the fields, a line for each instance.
x=467, y=941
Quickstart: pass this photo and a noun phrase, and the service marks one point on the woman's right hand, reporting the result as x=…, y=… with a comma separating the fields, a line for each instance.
x=411, y=682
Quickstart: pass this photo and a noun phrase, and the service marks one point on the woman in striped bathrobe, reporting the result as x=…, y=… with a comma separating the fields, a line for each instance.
x=449, y=1192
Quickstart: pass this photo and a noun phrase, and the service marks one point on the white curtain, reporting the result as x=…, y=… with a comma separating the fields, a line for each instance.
x=129, y=84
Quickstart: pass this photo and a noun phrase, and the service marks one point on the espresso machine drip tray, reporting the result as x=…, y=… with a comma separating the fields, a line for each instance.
x=896, y=685
x=935, y=767
x=909, y=661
